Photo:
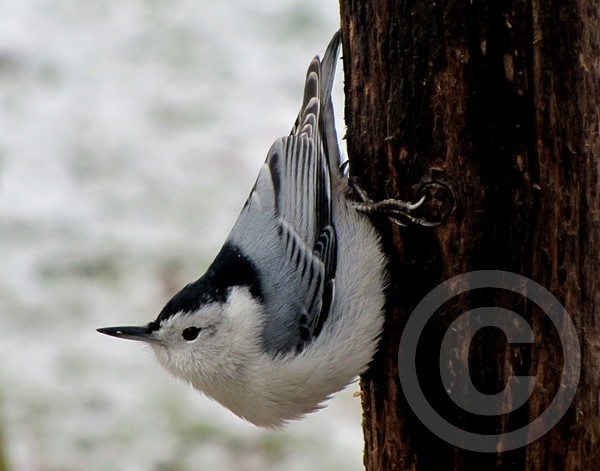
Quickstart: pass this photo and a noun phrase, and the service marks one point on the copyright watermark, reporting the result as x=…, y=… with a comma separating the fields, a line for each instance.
x=457, y=381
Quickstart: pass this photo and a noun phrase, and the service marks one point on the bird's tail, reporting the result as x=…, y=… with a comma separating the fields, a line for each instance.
x=327, y=118
x=317, y=103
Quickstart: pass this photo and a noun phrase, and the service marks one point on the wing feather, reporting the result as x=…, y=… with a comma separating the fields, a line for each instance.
x=286, y=226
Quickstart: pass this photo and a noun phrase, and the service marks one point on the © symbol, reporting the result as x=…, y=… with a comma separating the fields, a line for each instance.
x=519, y=387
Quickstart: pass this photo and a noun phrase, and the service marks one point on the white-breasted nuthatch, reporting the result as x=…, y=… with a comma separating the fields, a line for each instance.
x=291, y=309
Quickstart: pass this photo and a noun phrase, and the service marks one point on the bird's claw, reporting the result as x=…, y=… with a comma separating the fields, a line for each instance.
x=397, y=211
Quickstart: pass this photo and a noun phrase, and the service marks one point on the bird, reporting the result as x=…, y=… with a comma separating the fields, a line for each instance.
x=291, y=310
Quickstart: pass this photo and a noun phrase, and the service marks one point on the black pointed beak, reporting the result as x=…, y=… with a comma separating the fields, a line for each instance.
x=144, y=334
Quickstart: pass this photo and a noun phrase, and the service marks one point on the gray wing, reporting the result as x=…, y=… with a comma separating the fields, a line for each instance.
x=286, y=227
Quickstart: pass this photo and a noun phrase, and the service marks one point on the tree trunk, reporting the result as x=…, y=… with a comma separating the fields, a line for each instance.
x=499, y=102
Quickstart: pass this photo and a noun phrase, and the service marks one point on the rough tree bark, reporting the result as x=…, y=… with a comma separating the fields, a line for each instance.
x=500, y=101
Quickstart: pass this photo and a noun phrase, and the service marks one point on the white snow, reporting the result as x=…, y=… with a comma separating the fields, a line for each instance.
x=130, y=135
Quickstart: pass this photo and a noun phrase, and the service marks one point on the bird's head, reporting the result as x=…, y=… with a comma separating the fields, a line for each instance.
x=200, y=337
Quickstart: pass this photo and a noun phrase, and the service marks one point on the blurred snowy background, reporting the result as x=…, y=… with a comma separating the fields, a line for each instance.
x=130, y=135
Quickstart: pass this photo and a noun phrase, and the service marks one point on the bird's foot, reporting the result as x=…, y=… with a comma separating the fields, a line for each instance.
x=402, y=213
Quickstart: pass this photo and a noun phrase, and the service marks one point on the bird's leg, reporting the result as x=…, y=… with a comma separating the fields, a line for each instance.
x=397, y=211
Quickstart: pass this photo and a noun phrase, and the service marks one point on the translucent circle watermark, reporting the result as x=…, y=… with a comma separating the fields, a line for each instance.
x=461, y=332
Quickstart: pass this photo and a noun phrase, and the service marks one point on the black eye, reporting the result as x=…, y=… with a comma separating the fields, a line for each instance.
x=191, y=333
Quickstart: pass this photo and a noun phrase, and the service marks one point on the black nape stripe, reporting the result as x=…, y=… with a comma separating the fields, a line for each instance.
x=230, y=268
